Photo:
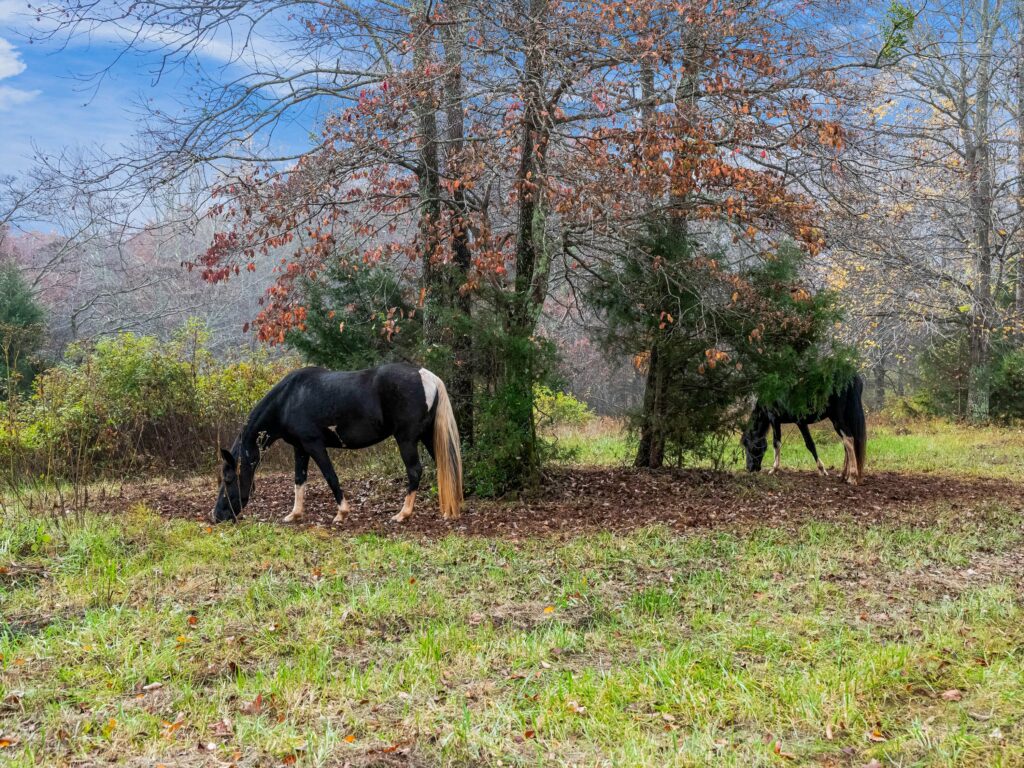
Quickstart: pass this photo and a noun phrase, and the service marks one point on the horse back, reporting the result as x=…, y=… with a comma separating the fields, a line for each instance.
x=360, y=408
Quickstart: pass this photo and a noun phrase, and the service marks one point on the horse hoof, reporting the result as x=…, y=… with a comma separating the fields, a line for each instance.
x=398, y=518
x=292, y=518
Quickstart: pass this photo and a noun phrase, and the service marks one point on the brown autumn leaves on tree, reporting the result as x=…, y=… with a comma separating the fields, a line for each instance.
x=487, y=150
x=500, y=149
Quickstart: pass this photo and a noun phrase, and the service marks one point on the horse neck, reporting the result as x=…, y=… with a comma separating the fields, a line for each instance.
x=249, y=443
x=760, y=422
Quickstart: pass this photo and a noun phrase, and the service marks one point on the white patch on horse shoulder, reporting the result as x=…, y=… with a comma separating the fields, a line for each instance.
x=334, y=429
x=429, y=386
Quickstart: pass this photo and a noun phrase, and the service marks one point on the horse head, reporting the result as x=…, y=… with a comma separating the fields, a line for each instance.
x=236, y=483
x=754, y=447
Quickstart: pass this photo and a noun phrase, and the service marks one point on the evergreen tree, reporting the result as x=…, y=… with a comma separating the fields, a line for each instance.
x=356, y=316
x=710, y=336
x=22, y=331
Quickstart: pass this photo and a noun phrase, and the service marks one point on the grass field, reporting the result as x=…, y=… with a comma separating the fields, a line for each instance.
x=926, y=446
x=145, y=641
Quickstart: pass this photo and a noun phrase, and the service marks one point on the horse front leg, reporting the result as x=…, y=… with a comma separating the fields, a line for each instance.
x=809, y=442
x=301, y=475
x=414, y=470
x=319, y=453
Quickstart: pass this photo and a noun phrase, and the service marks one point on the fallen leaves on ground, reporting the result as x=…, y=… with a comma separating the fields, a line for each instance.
x=586, y=499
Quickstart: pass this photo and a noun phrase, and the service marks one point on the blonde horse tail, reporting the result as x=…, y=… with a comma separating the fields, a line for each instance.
x=447, y=454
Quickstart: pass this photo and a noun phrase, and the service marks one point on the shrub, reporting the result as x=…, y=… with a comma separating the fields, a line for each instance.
x=945, y=368
x=131, y=403
x=556, y=409
x=709, y=334
x=357, y=316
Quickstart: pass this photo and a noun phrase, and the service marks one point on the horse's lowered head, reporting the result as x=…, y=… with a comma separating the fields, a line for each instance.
x=754, y=448
x=236, y=483
x=755, y=437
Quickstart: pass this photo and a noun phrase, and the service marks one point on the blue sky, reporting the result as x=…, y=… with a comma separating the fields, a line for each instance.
x=49, y=102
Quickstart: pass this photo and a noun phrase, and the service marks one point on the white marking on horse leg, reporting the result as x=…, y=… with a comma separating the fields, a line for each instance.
x=429, y=386
x=406, y=510
x=852, y=475
x=777, y=446
x=343, y=510
x=821, y=469
x=299, y=507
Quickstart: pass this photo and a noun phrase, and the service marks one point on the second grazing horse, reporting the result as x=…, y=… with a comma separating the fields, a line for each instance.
x=844, y=409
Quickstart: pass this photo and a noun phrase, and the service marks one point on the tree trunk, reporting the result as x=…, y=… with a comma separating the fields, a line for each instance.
x=978, y=383
x=651, y=450
x=1018, y=305
x=533, y=261
x=427, y=171
x=880, y=384
x=980, y=176
x=460, y=303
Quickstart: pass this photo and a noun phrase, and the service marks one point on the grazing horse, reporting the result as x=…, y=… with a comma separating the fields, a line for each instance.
x=844, y=409
x=314, y=409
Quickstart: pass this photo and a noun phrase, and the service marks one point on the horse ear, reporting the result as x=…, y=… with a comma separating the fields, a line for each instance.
x=229, y=460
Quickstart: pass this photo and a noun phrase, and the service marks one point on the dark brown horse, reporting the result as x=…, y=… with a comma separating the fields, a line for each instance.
x=844, y=409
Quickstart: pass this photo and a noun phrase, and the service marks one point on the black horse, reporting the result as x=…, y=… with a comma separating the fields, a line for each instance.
x=314, y=409
x=844, y=409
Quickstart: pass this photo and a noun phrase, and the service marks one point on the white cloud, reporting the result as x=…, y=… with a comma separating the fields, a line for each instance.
x=10, y=60
x=11, y=10
x=11, y=65
x=13, y=97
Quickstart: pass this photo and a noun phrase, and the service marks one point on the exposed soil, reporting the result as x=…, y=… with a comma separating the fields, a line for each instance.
x=580, y=500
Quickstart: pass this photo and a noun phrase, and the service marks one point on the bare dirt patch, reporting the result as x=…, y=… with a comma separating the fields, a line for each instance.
x=589, y=500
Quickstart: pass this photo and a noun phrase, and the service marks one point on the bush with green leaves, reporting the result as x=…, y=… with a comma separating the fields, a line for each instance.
x=357, y=316
x=554, y=408
x=132, y=403
x=944, y=370
x=22, y=330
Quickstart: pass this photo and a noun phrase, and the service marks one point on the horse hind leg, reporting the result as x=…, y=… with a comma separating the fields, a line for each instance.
x=414, y=470
x=850, y=460
x=852, y=473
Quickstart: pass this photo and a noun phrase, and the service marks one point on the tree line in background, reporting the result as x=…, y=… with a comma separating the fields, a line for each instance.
x=681, y=203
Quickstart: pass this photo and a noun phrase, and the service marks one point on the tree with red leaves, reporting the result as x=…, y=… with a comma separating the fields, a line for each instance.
x=486, y=149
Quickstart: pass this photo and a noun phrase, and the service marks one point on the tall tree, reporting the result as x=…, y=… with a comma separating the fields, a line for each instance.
x=928, y=199
x=578, y=120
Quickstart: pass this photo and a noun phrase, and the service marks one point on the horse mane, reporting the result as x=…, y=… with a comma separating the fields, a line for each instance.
x=255, y=422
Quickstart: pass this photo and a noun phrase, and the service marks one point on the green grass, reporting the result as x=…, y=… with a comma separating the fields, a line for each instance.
x=271, y=644
x=932, y=446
